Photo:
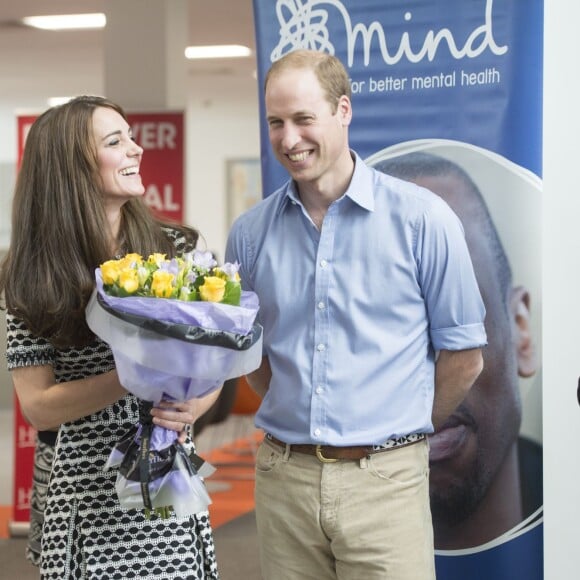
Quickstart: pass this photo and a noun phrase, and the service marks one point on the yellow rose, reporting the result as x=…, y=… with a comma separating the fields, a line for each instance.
x=156, y=259
x=162, y=284
x=110, y=271
x=129, y=260
x=128, y=280
x=213, y=289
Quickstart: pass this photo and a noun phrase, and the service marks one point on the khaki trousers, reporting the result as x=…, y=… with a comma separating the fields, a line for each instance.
x=367, y=519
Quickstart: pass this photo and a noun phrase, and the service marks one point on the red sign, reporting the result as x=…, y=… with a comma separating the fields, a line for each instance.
x=161, y=136
x=24, y=443
x=162, y=171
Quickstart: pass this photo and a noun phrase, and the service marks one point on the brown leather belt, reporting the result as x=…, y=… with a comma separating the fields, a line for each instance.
x=330, y=454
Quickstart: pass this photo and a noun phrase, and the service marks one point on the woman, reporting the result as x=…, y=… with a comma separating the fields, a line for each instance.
x=78, y=202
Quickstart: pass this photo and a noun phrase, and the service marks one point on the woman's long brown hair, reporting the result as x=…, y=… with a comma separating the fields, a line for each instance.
x=60, y=232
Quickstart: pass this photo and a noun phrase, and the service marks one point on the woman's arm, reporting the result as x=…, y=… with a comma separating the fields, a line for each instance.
x=46, y=404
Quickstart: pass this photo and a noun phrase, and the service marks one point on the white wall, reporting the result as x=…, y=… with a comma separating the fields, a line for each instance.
x=222, y=123
x=561, y=281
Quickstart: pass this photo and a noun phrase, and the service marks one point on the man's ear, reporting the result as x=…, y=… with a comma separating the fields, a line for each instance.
x=525, y=347
x=344, y=108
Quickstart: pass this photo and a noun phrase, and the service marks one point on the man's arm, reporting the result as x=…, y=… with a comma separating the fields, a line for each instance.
x=259, y=379
x=455, y=372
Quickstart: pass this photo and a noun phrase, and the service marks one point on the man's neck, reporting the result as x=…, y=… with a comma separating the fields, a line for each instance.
x=317, y=196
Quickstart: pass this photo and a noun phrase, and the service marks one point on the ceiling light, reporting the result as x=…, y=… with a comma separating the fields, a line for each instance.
x=66, y=21
x=217, y=51
x=55, y=101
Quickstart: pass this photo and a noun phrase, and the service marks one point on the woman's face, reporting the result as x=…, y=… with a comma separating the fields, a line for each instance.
x=118, y=157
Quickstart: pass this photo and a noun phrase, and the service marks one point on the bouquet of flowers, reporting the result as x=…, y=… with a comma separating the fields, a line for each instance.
x=178, y=329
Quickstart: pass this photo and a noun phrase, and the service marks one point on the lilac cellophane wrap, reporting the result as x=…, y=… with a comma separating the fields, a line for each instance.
x=154, y=366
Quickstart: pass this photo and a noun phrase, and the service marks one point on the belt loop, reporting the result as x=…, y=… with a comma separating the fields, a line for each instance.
x=286, y=455
x=363, y=463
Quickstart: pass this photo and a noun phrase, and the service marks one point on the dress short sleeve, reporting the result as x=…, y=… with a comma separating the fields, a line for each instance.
x=23, y=349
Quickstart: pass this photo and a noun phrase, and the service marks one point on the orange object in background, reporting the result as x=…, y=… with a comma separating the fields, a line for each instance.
x=5, y=519
x=247, y=401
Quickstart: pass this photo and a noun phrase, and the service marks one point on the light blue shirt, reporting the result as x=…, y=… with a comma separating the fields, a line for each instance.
x=354, y=313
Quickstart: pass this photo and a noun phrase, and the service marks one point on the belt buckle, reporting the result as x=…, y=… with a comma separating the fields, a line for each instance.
x=321, y=457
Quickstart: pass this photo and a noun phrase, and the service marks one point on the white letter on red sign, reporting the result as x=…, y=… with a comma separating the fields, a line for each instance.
x=154, y=200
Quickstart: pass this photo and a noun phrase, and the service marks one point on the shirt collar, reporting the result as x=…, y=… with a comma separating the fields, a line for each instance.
x=360, y=189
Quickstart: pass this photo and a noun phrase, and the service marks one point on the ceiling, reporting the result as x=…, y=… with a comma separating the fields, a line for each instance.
x=36, y=63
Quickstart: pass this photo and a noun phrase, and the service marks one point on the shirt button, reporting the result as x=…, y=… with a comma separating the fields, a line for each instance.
x=317, y=432
x=319, y=390
x=320, y=347
x=323, y=263
x=321, y=305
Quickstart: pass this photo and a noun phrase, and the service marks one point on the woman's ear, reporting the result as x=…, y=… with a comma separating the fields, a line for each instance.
x=525, y=347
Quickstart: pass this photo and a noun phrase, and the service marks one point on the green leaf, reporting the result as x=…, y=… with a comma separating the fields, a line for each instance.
x=232, y=294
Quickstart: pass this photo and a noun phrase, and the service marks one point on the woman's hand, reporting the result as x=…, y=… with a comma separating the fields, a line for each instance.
x=181, y=416
x=176, y=416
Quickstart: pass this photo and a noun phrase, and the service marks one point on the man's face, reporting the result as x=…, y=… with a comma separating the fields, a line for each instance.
x=468, y=451
x=307, y=136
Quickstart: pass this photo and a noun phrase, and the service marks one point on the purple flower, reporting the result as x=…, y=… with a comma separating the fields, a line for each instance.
x=204, y=260
x=230, y=270
x=171, y=266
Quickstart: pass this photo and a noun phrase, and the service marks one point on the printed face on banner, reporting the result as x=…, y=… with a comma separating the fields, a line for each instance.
x=468, y=454
x=478, y=455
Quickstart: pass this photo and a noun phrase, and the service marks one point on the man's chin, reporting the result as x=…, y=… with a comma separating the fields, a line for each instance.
x=452, y=505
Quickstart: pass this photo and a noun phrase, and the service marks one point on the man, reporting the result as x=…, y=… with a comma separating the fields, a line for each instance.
x=484, y=479
x=373, y=325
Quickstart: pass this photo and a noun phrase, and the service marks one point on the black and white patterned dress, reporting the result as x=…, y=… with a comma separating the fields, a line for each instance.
x=42, y=466
x=86, y=534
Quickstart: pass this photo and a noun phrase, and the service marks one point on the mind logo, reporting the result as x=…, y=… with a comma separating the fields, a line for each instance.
x=303, y=25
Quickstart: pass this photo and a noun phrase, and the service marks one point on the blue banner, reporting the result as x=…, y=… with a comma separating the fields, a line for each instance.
x=458, y=81
x=449, y=69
